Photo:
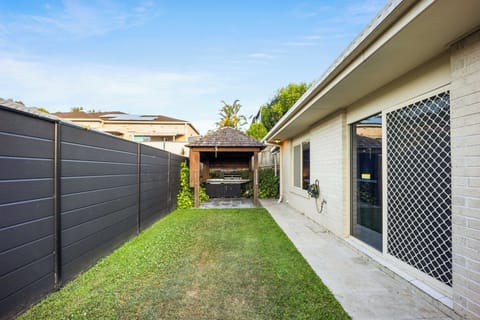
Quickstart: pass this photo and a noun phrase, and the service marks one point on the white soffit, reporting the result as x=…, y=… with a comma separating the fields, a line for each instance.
x=424, y=31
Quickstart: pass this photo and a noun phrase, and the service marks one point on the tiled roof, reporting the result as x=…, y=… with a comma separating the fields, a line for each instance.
x=226, y=137
x=110, y=116
x=9, y=103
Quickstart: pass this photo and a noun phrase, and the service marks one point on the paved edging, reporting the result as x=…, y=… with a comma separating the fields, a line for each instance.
x=363, y=289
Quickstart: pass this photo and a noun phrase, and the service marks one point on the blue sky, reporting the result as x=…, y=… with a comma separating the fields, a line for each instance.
x=176, y=58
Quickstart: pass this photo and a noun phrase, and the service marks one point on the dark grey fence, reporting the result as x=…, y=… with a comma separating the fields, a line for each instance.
x=69, y=196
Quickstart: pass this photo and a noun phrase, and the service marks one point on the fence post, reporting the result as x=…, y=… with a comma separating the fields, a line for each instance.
x=57, y=206
x=139, y=181
x=169, y=165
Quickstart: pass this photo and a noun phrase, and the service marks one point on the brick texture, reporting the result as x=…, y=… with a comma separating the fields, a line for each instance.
x=465, y=118
x=326, y=158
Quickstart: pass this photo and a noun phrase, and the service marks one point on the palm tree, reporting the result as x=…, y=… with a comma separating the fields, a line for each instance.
x=229, y=116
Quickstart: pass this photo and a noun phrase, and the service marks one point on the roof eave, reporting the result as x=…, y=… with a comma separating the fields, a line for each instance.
x=384, y=19
x=410, y=35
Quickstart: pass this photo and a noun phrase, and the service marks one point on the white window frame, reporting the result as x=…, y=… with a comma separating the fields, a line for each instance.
x=294, y=177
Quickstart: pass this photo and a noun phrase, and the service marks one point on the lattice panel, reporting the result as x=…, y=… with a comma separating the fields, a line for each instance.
x=419, y=186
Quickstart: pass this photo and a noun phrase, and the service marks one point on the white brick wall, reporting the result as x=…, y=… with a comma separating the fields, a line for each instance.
x=465, y=131
x=326, y=165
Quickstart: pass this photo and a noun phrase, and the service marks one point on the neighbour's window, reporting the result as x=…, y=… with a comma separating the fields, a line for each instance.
x=301, y=165
x=142, y=138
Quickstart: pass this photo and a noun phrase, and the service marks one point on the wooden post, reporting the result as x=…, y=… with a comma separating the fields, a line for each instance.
x=255, y=178
x=206, y=170
x=195, y=175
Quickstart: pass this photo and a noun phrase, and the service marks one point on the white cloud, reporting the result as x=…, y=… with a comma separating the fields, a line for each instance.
x=78, y=18
x=59, y=87
x=368, y=7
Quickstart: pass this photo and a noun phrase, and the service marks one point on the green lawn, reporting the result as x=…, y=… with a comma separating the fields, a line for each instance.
x=198, y=264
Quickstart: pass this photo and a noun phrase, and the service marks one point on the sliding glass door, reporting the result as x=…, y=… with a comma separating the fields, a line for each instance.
x=367, y=181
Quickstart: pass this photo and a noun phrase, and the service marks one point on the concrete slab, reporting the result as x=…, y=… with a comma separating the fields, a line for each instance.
x=363, y=289
x=219, y=203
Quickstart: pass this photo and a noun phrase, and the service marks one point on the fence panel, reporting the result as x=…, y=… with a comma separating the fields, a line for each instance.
x=153, y=185
x=26, y=210
x=68, y=196
x=99, y=196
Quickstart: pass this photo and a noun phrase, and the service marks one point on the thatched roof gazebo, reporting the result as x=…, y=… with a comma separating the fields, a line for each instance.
x=225, y=148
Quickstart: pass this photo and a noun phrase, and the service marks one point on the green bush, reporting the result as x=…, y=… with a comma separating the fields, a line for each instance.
x=268, y=185
x=185, y=197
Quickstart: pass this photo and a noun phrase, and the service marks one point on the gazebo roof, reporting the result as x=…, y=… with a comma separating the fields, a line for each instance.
x=227, y=137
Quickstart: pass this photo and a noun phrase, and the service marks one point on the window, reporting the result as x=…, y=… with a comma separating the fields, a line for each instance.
x=301, y=165
x=141, y=138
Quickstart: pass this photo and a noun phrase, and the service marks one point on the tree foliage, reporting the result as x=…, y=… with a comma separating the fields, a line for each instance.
x=257, y=130
x=76, y=109
x=230, y=117
x=283, y=100
x=42, y=109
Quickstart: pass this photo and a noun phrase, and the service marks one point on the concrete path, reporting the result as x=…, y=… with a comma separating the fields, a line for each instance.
x=363, y=289
x=219, y=203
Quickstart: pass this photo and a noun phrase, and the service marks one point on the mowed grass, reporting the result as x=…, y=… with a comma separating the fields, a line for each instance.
x=198, y=264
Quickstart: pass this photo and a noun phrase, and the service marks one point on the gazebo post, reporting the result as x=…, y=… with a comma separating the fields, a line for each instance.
x=206, y=170
x=195, y=176
x=255, y=178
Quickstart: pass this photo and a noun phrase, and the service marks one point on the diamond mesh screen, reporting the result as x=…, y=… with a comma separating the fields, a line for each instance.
x=419, y=186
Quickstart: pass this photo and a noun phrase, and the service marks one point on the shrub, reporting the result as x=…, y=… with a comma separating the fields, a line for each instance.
x=268, y=185
x=185, y=197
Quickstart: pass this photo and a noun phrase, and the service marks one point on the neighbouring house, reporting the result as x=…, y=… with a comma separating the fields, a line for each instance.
x=158, y=131
x=391, y=136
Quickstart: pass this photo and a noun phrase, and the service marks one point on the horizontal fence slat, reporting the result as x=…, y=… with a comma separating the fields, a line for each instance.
x=86, y=251
x=25, y=275
x=82, y=184
x=15, y=191
x=96, y=139
x=21, y=212
x=89, y=153
x=19, y=168
x=84, y=199
x=23, y=255
x=23, y=146
x=78, y=216
x=86, y=229
x=23, y=298
x=18, y=235
x=79, y=168
x=20, y=124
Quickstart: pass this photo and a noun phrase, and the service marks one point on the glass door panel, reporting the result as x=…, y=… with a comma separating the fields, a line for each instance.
x=367, y=181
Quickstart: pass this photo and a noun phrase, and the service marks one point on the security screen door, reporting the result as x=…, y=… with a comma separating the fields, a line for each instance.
x=419, y=194
x=367, y=181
